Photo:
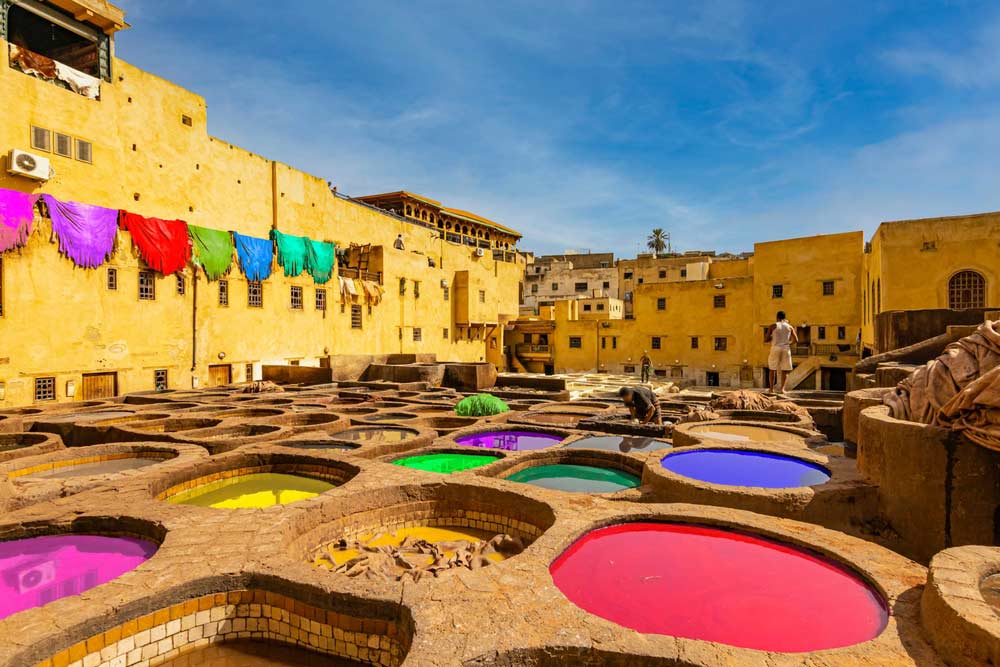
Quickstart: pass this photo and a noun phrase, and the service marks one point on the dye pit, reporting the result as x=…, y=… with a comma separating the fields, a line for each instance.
x=717, y=585
x=38, y=570
x=109, y=467
x=739, y=433
x=445, y=463
x=619, y=443
x=252, y=491
x=512, y=441
x=731, y=467
x=990, y=588
x=376, y=433
x=576, y=478
x=255, y=654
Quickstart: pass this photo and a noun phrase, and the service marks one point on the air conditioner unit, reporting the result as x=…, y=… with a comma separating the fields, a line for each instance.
x=444, y=282
x=29, y=165
x=480, y=252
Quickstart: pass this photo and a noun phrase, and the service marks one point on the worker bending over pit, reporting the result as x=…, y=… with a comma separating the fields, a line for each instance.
x=642, y=404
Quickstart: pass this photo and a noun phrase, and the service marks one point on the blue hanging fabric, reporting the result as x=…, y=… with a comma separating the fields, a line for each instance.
x=255, y=255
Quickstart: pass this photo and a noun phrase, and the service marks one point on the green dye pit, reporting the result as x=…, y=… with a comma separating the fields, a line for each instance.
x=580, y=479
x=445, y=463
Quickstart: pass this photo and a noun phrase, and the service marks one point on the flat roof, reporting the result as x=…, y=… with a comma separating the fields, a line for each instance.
x=455, y=212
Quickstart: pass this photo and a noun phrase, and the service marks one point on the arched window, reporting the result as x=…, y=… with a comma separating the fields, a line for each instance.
x=967, y=289
x=409, y=210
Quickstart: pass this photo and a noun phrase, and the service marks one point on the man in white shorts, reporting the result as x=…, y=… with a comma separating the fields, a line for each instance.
x=780, y=360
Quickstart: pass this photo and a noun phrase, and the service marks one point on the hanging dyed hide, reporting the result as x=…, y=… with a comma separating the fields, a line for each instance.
x=320, y=257
x=291, y=252
x=213, y=250
x=164, y=245
x=86, y=233
x=17, y=218
x=255, y=256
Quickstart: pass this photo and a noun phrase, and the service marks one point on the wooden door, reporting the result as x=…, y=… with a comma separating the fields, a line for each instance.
x=219, y=375
x=99, y=385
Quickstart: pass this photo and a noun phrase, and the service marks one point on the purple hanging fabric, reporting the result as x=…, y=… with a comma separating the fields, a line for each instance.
x=17, y=216
x=86, y=232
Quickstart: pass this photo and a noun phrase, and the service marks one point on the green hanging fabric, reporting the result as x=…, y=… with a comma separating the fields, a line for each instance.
x=291, y=252
x=213, y=250
x=319, y=260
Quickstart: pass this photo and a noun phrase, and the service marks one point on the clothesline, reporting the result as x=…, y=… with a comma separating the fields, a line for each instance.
x=87, y=235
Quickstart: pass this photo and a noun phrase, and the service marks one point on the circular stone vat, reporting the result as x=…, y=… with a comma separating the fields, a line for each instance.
x=38, y=570
x=619, y=443
x=376, y=434
x=566, y=419
x=742, y=433
x=389, y=417
x=576, y=478
x=251, y=491
x=317, y=444
x=990, y=588
x=514, y=441
x=102, y=415
x=719, y=586
x=247, y=653
x=731, y=467
x=108, y=465
x=446, y=462
x=10, y=442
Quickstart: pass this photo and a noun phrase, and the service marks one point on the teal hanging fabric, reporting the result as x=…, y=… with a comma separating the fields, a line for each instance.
x=291, y=252
x=213, y=250
x=320, y=257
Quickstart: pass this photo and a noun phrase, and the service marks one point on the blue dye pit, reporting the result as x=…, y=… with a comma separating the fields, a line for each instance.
x=744, y=468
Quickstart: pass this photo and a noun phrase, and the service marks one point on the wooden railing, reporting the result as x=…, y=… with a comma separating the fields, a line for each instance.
x=346, y=272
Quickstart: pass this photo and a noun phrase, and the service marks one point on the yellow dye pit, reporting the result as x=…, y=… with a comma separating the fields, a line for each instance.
x=252, y=491
x=432, y=534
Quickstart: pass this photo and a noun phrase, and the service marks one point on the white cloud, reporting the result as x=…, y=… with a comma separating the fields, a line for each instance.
x=971, y=61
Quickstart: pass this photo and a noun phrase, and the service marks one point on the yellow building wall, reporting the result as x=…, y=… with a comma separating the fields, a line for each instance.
x=59, y=320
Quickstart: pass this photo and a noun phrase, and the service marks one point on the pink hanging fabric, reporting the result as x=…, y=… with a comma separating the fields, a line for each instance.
x=86, y=232
x=17, y=218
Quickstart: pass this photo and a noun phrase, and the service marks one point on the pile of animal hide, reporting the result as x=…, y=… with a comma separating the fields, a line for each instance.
x=753, y=400
x=261, y=387
x=699, y=413
x=959, y=390
x=414, y=558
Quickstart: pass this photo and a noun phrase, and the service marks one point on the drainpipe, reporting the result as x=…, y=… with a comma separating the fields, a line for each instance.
x=194, y=321
x=274, y=194
x=597, y=344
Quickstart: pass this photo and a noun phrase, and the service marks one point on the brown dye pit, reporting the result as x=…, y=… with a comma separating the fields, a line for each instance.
x=255, y=654
x=241, y=431
x=557, y=418
x=990, y=588
x=176, y=425
x=390, y=417
x=738, y=433
x=254, y=413
x=376, y=434
x=98, y=468
x=10, y=442
x=89, y=416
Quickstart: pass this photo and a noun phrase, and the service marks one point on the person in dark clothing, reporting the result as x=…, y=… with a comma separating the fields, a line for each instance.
x=647, y=366
x=642, y=404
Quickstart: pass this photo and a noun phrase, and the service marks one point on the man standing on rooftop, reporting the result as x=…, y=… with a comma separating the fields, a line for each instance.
x=780, y=360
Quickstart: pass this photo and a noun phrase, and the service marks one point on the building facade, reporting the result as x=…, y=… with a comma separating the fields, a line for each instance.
x=118, y=137
x=550, y=278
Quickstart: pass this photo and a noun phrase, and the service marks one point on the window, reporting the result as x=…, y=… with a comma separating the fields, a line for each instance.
x=841, y=333
x=827, y=288
x=614, y=342
x=694, y=342
x=45, y=389
x=721, y=344
x=656, y=342
x=555, y=287
x=147, y=285
x=482, y=296
x=446, y=291
x=296, y=297
x=255, y=294
x=112, y=278
x=966, y=289
x=575, y=342
x=160, y=379
x=320, y=298
x=586, y=307
x=600, y=306
x=63, y=145
x=249, y=372
x=534, y=289
x=628, y=369
x=187, y=120
x=418, y=334
x=821, y=333
x=402, y=286
x=580, y=287
x=41, y=139
x=416, y=289
x=628, y=275
x=223, y=292
x=684, y=273
x=719, y=301
x=355, y=317
x=661, y=303
x=777, y=291
x=84, y=151
x=444, y=333
x=641, y=280
x=181, y=287
x=606, y=285
x=662, y=274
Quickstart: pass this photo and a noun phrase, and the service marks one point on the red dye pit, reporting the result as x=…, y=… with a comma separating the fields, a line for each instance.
x=718, y=585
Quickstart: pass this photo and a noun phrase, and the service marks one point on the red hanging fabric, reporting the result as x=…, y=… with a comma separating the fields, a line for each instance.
x=163, y=244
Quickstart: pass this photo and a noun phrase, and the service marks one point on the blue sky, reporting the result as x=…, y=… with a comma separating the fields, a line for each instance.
x=586, y=124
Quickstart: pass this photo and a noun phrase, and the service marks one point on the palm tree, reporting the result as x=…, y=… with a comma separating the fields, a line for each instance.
x=657, y=241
